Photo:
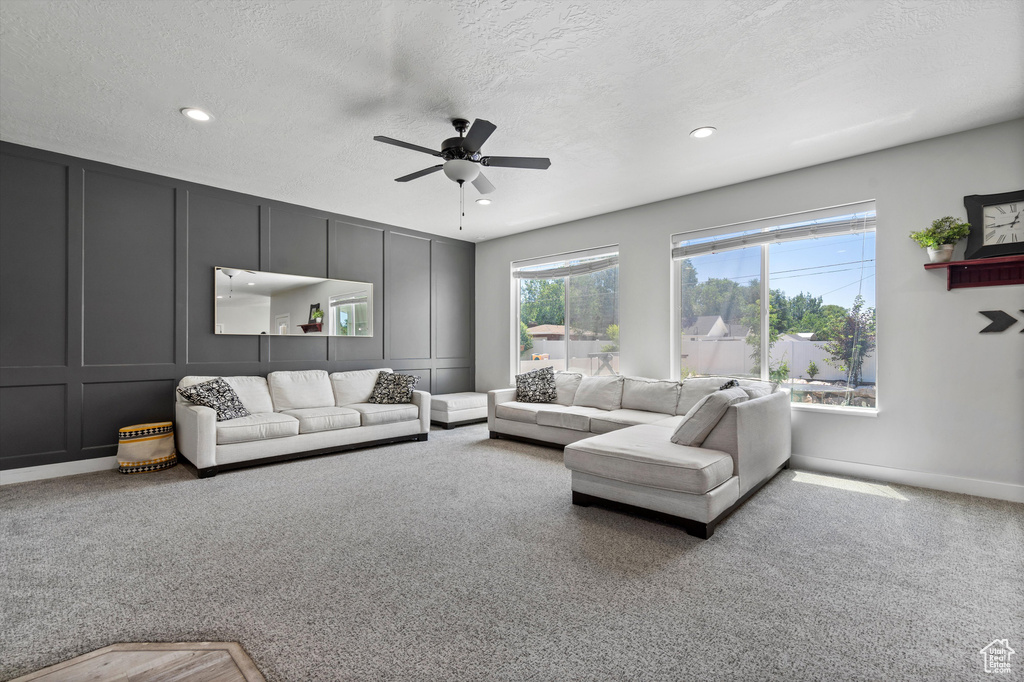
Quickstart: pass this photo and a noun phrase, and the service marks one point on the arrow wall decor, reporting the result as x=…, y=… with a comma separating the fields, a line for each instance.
x=1000, y=321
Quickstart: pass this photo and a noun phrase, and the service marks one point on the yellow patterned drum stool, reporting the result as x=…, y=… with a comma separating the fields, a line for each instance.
x=146, y=447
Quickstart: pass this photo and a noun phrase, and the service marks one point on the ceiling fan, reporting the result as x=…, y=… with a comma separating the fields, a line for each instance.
x=462, y=158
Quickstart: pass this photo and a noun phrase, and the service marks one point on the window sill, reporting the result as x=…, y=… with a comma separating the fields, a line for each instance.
x=836, y=409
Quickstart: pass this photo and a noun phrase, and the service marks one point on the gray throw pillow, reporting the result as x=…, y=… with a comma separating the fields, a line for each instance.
x=216, y=394
x=537, y=386
x=705, y=415
x=393, y=388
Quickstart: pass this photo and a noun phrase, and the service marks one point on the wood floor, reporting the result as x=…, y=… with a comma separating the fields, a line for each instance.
x=150, y=662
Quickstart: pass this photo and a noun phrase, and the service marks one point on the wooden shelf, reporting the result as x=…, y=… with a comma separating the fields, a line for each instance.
x=315, y=327
x=982, y=272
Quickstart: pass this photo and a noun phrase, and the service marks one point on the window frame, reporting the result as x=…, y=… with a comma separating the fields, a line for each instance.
x=764, y=225
x=516, y=298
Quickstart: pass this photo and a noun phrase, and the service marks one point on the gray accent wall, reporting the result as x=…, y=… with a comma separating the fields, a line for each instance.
x=106, y=292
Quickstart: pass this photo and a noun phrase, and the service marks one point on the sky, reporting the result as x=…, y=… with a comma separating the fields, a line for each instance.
x=835, y=268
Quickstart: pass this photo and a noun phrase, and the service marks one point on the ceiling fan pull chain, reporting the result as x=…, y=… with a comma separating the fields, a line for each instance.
x=462, y=203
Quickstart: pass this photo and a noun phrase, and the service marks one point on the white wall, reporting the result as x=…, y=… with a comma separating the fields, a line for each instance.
x=951, y=400
x=245, y=319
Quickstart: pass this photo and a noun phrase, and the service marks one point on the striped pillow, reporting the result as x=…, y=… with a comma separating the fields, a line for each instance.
x=705, y=415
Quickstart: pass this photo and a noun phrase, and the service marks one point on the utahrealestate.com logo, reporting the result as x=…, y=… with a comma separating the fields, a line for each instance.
x=997, y=656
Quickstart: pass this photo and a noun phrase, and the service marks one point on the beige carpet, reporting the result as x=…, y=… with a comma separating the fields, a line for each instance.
x=462, y=559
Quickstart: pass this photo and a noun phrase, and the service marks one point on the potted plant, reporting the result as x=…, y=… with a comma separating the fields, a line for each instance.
x=940, y=238
x=318, y=316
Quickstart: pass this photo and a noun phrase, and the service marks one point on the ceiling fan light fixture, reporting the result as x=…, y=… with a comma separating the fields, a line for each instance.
x=704, y=131
x=461, y=170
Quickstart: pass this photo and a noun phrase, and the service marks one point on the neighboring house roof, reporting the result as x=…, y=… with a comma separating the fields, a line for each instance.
x=701, y=326
x=546, y=329
x=739, y=330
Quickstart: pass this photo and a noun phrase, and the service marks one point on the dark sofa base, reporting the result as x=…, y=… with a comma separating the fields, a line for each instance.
x=209, y=472
x=532, y=441
x=452, y=425
x=694, y=528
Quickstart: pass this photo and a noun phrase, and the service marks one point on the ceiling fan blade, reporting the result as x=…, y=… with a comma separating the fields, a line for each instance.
x=477, y=135
x=483, y=185
x=516, y=162
x=420, y=174
x=407, y=145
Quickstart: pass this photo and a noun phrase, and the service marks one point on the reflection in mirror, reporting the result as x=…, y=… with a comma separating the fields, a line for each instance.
x=254, y=302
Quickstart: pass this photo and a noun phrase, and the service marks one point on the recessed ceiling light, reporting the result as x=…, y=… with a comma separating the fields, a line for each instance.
x=252, y=284
x=196, y=114
x=706, y=131
x=483, y=202
x=220, y=297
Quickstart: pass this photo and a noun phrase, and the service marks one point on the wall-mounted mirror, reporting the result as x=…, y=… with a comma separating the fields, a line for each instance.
x=254, y=302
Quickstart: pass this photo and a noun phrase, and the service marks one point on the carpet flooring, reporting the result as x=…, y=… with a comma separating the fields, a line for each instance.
x=461, y=558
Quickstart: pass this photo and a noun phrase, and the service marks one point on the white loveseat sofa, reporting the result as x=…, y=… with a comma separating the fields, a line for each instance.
x=295, y=414
x=621, y=454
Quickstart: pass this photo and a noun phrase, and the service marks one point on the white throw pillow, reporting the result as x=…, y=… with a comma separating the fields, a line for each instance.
x=299, y=390
x=649, y=395
x=566, y=385
x=354, y=387
x=705, y=415
x=602, y=392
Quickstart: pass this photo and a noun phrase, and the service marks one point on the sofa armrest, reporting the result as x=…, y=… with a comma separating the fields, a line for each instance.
x=421, y=399
x=495, y=398
x=195, y=429
x=763, y=438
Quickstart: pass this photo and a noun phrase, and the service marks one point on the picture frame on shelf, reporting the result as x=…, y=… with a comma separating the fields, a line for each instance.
x=312, y=309
x=997, y=224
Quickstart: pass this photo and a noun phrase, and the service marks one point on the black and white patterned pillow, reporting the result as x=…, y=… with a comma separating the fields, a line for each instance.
x=731, y=383
x=217, y=394
x=537, y=386
x=393, y=388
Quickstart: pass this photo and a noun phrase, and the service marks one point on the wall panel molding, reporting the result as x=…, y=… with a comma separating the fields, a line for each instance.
x=141, y=334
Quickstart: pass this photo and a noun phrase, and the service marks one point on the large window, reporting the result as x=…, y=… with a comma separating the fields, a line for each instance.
x=816, y=334
x=568, y=312
x=349, y=315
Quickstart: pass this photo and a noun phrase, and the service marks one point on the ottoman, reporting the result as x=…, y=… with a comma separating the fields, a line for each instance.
x=456, y=409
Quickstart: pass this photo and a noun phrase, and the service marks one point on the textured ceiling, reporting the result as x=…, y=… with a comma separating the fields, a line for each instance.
x=608, y=90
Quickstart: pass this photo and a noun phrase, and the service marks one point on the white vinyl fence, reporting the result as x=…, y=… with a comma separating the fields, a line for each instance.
x=732, y=356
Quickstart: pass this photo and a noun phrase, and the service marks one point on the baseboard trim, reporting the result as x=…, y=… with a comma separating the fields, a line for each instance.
x=38, y=473
x=953, y=484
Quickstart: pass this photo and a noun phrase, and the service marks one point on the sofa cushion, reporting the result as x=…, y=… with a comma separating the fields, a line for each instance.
x=537, y=386
x=372, y=414
x=573, y=417
x=313, y=419
x=257, y=427
x=620, y=419
x=354, y=387
x=695, y=388
x=299, y=390
x=705, y=415
x=253, y=392
x=566, y=384
x=524, y=412
x=650, y=395
x=393, y=389
x=453, y=402
x=216, y=394
x=672, y=422
x=602, y=392
x=643, y=455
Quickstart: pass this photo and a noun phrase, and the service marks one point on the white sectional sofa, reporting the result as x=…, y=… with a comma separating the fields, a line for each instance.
x=618, y=444
x=295, y=414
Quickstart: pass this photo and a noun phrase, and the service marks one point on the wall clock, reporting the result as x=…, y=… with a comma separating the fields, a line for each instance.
x=997, y=224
